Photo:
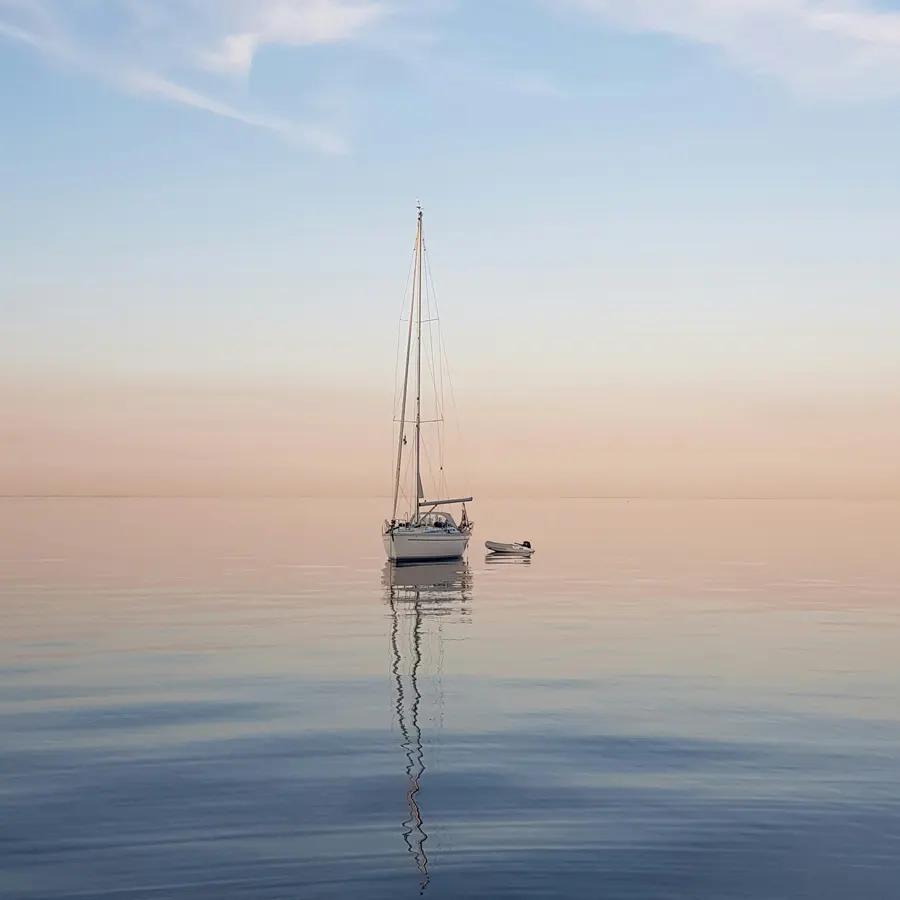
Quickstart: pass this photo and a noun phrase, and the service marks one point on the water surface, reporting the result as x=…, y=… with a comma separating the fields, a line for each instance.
x=237, y=699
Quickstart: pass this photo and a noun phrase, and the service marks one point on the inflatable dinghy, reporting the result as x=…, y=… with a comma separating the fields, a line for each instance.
x=523, y=549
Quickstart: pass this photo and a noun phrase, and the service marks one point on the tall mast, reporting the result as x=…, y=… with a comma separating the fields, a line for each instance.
x=418, y=481
x=402, y=438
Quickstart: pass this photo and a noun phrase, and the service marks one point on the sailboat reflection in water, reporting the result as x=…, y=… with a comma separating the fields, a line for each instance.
x=421, y=598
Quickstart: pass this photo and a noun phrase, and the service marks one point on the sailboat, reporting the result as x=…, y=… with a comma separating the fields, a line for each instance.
x=428, y=532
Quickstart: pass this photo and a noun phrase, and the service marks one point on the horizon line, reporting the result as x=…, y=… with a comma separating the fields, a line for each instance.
x=813, y=498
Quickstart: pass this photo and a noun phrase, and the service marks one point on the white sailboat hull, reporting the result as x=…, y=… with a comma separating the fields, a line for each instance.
x=418, y=545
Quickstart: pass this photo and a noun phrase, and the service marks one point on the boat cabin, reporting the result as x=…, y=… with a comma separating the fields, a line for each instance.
x=441, y=520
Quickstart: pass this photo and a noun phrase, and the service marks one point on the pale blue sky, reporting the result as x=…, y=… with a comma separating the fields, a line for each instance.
x=664, y=188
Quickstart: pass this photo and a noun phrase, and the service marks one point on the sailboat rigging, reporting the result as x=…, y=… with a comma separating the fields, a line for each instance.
x=429, y=532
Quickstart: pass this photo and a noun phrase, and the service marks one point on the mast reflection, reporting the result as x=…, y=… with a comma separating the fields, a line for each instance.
x=416, y=593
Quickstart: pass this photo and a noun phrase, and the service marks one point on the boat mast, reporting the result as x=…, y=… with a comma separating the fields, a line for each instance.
x=418, y=481
x=402, y=438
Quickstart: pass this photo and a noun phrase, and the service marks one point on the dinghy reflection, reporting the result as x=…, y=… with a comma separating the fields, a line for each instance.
x=500, y=559
x=422, y=598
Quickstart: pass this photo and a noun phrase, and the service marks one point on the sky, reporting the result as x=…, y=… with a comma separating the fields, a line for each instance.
x=662, y=234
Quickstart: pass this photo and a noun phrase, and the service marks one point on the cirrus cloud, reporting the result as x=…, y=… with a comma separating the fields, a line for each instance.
x=845, y=49
x=198, y=53
x=179, y=51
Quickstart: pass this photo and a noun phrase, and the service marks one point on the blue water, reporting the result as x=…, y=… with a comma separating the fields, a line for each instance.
x=237, y=699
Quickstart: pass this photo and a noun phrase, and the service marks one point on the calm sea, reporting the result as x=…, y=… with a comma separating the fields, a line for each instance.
x=236, y=699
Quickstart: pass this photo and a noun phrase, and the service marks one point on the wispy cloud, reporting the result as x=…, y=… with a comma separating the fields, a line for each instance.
x=150, y=85
x=848, y=49
x=198, y=53
x=189, y=52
